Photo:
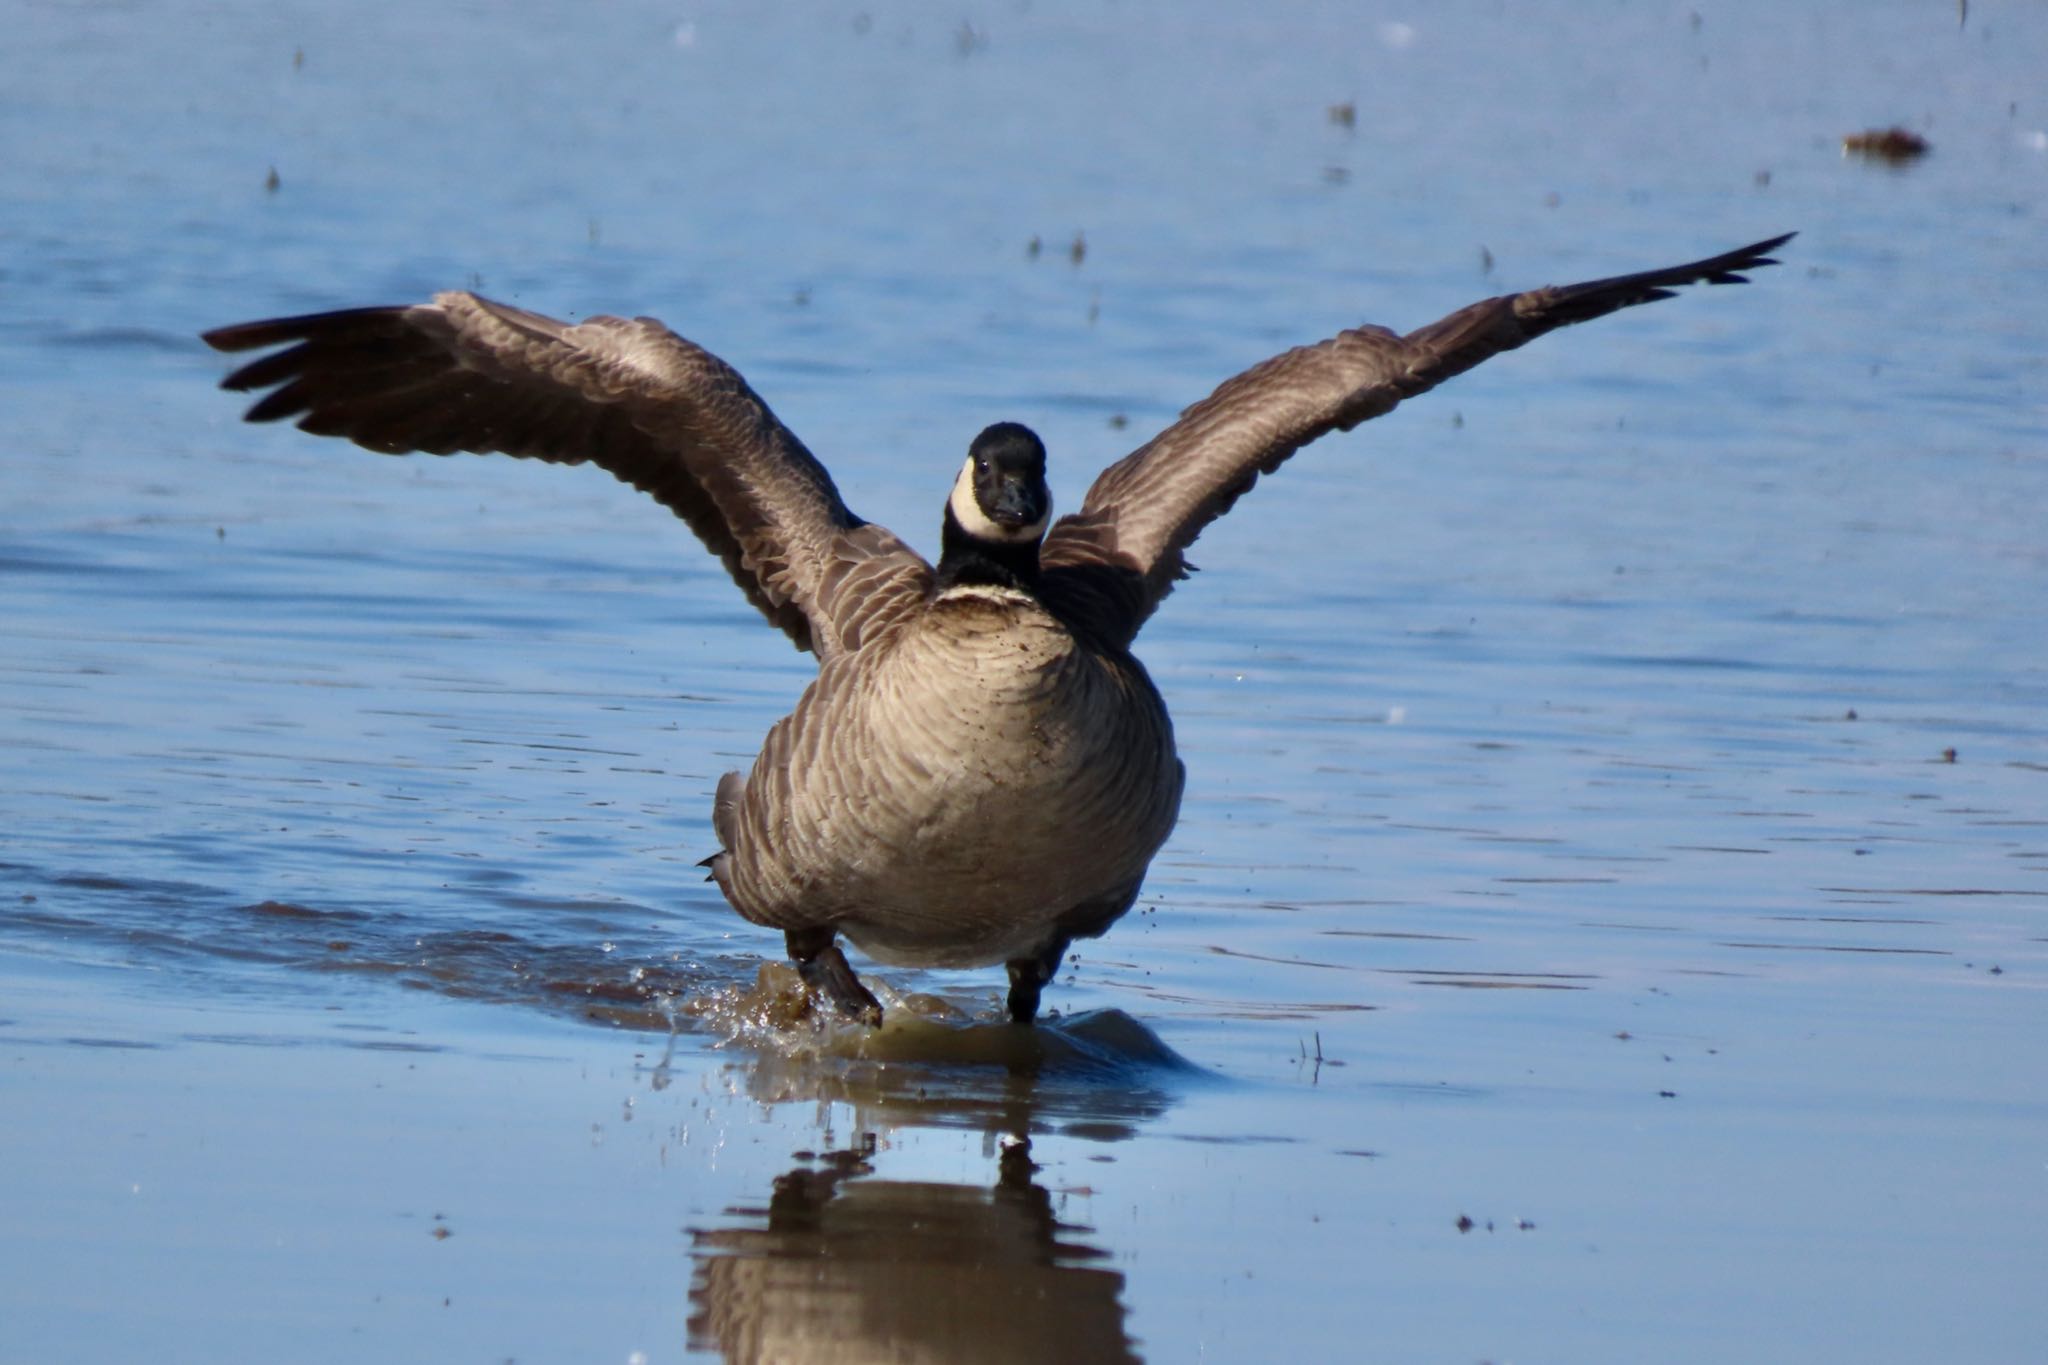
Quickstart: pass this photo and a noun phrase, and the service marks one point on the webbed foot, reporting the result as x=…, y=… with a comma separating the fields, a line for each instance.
x=1028, y=978
x=829, y=977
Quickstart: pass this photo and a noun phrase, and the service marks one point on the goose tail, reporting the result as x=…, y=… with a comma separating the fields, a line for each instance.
x=725, y=819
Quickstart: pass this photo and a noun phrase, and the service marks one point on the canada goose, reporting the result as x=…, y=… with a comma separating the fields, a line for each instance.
x=981, y=771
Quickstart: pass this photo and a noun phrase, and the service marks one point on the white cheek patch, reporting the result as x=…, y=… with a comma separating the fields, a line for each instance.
x=976, y=523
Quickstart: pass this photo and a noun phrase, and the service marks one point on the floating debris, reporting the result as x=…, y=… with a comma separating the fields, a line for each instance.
x=1344, y=115
x=1894, y=145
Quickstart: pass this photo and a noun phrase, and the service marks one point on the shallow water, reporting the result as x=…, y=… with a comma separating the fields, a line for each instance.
x=1608, y=915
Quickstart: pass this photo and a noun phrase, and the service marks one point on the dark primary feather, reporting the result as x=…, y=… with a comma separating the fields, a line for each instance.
x=1123, y=551
x=664, y=415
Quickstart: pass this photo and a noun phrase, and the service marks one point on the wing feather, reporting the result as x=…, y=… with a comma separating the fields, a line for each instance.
x=631, y=397
x=1120, y=555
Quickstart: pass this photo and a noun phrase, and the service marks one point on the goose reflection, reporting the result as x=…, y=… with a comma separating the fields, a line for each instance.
x=842, y=1266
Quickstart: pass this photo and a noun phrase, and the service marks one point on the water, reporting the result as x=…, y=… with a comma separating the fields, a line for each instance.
x=1578, y=942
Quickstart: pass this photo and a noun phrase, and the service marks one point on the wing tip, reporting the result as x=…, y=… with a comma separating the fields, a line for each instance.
x=242, y=336
x=1729, y=269
x=243, y=379
x=335, y=323
x=276, y=406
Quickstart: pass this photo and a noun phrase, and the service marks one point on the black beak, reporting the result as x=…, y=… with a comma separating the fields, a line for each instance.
x=1020, y=501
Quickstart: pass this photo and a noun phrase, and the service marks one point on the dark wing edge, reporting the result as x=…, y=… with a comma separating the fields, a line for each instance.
x=1115, y=560
x=631, y=397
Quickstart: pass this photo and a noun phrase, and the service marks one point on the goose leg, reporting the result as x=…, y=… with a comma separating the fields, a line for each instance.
x=827, y=975
x=1028, y=977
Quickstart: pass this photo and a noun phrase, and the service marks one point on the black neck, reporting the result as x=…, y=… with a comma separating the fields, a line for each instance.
x=965, y=559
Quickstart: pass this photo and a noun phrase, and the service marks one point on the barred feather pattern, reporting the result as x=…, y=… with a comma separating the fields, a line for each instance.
x=971, y=787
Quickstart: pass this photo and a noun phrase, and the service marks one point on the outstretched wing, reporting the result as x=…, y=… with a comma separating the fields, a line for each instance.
x=465, y=374
x=1114, y=560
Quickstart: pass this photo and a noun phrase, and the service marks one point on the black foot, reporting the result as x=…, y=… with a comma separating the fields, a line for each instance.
x=1028, y=976
x=825, y=971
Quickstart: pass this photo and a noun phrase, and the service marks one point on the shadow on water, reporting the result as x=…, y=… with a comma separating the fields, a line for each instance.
x=842, y=1265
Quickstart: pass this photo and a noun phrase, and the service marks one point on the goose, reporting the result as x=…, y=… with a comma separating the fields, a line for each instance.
x=981, y=771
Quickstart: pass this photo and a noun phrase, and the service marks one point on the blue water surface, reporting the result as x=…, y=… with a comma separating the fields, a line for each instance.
x=1609, y=917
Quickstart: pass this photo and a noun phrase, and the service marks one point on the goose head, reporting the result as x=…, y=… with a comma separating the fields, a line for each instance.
x=998, y=510
x=1001, y=494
